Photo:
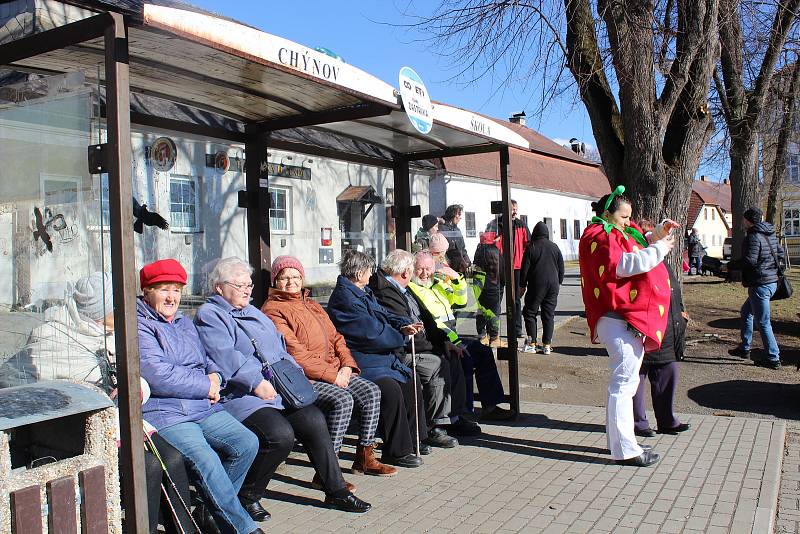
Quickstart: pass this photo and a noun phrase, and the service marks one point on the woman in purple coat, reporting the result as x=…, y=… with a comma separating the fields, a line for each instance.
x=183, y=403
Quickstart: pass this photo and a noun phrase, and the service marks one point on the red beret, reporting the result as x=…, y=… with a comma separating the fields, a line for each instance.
x=168, y=270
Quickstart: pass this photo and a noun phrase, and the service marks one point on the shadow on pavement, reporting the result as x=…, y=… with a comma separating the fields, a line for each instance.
x=788, y=328
x=541, y=449
x=767, y=398
x=542, y=421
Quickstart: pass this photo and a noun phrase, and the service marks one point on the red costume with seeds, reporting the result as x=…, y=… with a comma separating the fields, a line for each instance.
x=641, y=300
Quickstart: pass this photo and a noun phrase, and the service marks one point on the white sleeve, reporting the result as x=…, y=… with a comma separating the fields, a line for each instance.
x=641, y=261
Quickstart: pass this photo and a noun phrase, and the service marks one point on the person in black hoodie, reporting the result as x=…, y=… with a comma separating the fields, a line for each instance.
x=488, y=278
x=541, y=277
x=761, y=253
x=661, y=366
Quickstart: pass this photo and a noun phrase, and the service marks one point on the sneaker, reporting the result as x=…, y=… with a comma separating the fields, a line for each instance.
x=739, y=352
x=485, y=340
x=769, y=364
x=547, y=349
x=530, y=348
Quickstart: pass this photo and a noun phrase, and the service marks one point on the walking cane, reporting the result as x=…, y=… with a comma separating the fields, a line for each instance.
x=414, y=374
x=151, y=444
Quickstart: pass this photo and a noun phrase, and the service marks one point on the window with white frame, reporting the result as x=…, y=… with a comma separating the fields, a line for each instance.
x=793, y=168
x=184, y=203
x=469, y=219
x=280, y=210
x=791, y=221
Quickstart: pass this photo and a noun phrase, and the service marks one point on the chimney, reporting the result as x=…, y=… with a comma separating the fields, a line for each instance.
x=725, y=181
x=577, y=146
x=518, y=118
x=702, y=177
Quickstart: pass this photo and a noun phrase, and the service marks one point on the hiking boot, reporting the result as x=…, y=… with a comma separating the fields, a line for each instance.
x=546, y=349
x=367, y=464
x=769, y=364
x=485, y=340
x=496, y=342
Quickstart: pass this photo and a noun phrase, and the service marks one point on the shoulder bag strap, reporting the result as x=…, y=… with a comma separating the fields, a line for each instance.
x=775, y=257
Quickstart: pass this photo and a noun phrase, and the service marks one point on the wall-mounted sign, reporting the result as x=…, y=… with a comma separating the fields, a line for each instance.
x=222, y=162
x=416, y=100
x=326, y=237
x=289, y=171
x=163, y=154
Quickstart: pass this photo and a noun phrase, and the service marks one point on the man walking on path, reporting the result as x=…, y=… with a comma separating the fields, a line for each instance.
x=759, y=265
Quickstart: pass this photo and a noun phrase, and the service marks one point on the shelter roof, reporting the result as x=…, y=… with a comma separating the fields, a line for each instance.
x=195, y=58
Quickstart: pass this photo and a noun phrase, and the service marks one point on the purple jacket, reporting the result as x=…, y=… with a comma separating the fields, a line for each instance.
x=174, y=363
x=225, y=332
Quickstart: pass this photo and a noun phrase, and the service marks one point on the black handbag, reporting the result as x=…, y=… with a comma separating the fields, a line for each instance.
x=784, y=288
x=287, y=378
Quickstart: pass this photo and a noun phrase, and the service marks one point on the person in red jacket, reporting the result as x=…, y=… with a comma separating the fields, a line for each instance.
x=626, y=292
x=521, y=236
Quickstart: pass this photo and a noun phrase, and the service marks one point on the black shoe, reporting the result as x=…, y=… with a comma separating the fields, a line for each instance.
x=739, y=352
x=769, y=364
x=464, y=427
x=425, y=449
x=496, y=413
x=646, y=433
x=256, y=511
x=205, y=521
x=647, y=458
x=409, y=460
x=257, y=531
x=683, y=427
x=438, y=437
x=348, y=503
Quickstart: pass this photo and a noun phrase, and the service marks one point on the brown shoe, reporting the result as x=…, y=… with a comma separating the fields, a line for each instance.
x=316, y=483
x=367, y=464
x=485, y=340
x=496, y=342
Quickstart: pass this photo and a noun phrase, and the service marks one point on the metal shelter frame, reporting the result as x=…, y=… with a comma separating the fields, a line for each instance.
x=114, y=157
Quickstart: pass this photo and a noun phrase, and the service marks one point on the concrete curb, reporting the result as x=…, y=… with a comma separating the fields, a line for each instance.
x=767, y=509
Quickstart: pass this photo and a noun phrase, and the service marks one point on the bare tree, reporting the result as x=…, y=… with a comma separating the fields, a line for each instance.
x=751, y=48
x=642, y=69
x=785, y=101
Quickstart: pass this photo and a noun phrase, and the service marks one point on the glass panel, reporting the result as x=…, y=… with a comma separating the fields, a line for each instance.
x=55, y=300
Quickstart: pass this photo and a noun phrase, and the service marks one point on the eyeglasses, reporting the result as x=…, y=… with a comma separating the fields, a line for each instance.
x=241, y=287
x=289, y=279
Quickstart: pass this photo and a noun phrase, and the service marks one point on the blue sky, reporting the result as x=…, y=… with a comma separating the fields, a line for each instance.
x=362, y=33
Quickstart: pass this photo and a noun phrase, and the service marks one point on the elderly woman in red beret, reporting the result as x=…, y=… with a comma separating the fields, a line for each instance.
x=183, y=403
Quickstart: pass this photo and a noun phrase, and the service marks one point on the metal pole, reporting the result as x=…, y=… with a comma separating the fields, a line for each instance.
x=402, y=204
x=258, y=202
x=123, y=261
x=511, y=290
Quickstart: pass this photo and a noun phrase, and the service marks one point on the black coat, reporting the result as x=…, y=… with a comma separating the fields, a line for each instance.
x=542, y=266
x=389, y=296
x=456, y=253
x=674, y=344
x=758, y=263
x=694, y=246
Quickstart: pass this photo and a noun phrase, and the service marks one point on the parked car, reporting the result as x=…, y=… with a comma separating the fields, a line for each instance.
x=726, y=248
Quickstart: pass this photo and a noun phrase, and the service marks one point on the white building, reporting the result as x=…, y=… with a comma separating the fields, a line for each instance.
x=710, y=213
x=549, y=182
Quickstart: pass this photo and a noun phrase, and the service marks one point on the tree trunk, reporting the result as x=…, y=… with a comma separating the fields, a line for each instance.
x=744, y=183
x=788, y=100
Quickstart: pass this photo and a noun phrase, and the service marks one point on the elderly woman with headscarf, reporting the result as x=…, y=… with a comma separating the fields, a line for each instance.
x=184, y=395
x=76, y=341
x=238, y=337
x=376, y=337
x=322, y=352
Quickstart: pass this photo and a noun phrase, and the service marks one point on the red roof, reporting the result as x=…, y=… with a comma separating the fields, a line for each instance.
x=548, y=166
x=715, y=193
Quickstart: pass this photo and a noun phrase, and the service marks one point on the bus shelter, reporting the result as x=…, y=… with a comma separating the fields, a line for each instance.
x=214, y=78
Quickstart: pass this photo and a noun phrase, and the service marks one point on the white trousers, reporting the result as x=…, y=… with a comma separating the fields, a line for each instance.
x=625, y=351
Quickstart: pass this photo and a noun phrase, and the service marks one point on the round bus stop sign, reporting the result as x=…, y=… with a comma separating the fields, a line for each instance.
x=416, y=100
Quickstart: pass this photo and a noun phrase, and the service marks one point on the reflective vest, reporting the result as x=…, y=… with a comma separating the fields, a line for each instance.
x=437, y=301
x=478, y=283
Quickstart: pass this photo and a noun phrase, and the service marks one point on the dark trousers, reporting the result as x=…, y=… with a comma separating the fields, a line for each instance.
x=276, y=431
x=159, y=509
x=491, y=301
x=479, y=362
x=697, y=263
x=396, y=417
x=544, y=301
x=663, y=382
x=518, y=301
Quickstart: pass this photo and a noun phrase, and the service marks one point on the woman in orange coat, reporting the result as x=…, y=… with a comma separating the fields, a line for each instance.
x=321, y=351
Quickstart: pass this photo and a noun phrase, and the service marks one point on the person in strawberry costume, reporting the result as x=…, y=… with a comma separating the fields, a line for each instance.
x=626, y=292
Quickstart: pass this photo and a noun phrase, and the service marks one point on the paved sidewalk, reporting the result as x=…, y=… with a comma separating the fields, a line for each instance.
x=551, y=472
x=789, y=506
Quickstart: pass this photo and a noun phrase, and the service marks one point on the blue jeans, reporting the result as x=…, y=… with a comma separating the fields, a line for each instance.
x=756, y=308
x=218, y=451
x=697, y=263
